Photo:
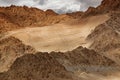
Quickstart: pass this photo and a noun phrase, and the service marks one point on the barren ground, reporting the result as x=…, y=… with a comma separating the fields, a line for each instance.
x=59, y=37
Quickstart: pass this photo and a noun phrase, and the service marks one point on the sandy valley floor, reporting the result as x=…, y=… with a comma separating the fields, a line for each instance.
x=59, y=37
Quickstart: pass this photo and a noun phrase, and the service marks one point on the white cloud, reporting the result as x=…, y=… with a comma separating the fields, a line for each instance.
x=60, y=6
x=65, y=5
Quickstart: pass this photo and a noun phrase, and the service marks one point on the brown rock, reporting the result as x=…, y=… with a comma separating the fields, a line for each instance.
x=106, y=6
x=40, y=66
x=50, y=12
x=10, y=49
x=109, y=5
x=76, y=14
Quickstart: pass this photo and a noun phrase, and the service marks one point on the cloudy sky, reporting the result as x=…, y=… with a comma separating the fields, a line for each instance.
x=60, y=6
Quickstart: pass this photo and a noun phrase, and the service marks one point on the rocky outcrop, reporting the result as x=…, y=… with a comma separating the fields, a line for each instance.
x=22, y=16
x=55, y=65
x=84, y=56
x=106, y=6
x=106, y=38
x=40, y=66
x=109, y=5
x=50, y=12
x=83, y=59
x=5, y=23
x=10, y=49
x=76, y=15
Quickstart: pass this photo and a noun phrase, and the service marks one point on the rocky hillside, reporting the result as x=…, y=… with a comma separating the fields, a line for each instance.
x=106, y=6
x=82, y=59
x=106, y=37
x=36, y=67
x=10, y=49
x=55, y=65
x=19, y=17
x=76, y=15
x=19, y=61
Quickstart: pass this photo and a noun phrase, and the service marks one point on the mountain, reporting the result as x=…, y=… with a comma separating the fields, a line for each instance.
x=76, y=14
x=84, y=59
x=50, y=12
x=55, y=65
x=20, y=17
x=44, y=45
x=36, y=67
x=106, y=37
x=106, y=6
